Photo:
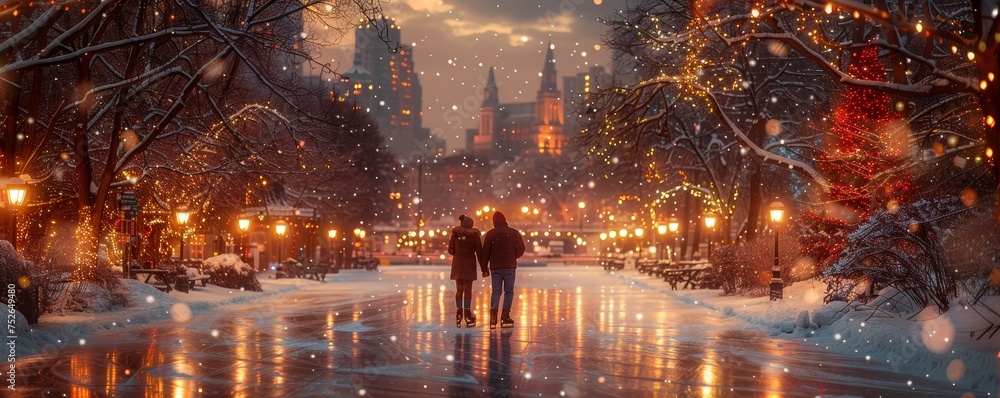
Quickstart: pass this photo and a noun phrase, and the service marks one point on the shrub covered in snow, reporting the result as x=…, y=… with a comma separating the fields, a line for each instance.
x=228, y=270
x=972, y=247
x=12, y=266
x=745, y=268
x=899, y=249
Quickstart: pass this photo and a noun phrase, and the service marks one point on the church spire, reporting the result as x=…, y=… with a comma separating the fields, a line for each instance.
x=491, y=94
x=549, y=72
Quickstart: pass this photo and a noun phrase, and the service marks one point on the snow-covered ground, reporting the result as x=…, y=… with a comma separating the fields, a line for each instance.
x=922, y=344
x=930, y=347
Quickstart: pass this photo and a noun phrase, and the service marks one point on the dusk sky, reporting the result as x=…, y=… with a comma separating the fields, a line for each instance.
x=456, y=42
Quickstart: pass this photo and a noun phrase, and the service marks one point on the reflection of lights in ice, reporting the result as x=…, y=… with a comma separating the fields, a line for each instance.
x=937, y=334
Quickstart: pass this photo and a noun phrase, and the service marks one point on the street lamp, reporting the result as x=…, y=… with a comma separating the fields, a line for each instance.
x=638, y=236
x=17, y=189
x=673, y=225
x=582, y=206
x=662, y=230
x=777, y=210
x=333, y=245
x=244, y=224
x=182, y=215
x=279, y=228
x=710, y=223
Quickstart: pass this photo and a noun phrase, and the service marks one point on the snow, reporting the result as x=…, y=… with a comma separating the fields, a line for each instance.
x=923, y=344
x=226, y=261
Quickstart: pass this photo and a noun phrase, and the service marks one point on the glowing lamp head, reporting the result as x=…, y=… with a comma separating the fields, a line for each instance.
x=639, y=232
x=604, y=235
x=280, y=227
x=710, y=220
x=331, y=233
x=673, y=225
x=16, y=191
x=582, y=205
x=244, y=224
x=182, y=215
x=777, y=210
x=661, y=229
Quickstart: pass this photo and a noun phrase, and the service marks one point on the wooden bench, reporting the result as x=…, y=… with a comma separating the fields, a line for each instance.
x=194, y=276
x=161, y=274
x=687, y=272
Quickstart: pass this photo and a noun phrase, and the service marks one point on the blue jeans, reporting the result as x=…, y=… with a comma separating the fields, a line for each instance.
x=502, y=279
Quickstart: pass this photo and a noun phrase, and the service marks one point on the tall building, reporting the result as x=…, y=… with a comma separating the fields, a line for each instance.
x=514, y=129
x=578, y=90
x=383, y=82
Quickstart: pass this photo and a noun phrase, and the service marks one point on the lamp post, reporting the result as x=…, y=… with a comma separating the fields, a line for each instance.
x=332, y=234
x=710, y=223
x=582, y=205
x=279, y=228
x=638, y=236
x=244, y=224
x=662, y=230
x=604, y=236
x=182, y=215
x=17, y=189
x=673, y=225
x=777, y=210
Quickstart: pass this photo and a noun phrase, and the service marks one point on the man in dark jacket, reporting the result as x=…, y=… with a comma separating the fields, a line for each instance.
x=502, y=246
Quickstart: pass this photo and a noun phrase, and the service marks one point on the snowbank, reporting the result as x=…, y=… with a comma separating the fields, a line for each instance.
x=924, y=345
x=55, y=331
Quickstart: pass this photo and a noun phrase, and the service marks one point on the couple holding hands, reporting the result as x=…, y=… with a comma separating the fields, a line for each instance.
x=496, y=253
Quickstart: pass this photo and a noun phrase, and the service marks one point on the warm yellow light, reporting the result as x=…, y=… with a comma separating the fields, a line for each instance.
x=279, y=227
x=604, y=236
x=244, y=224
x=673, y=225
x=639, y=232
x=524, y=209
x=622, y=232
x=710, y=220
x=662, y=229
x=581, y=205
x=486, y=209
x=332, y=233
x=182, y=215
x=16, y=191
x=362, y=235
x=777, y=210
x=612, y=234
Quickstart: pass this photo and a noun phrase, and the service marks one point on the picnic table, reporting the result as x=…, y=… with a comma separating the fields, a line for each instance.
x=688, y=274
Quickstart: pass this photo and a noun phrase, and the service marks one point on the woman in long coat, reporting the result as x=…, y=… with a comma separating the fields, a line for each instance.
x=466, y=247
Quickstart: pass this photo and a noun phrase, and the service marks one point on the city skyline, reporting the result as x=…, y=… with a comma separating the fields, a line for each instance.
x=453, y=57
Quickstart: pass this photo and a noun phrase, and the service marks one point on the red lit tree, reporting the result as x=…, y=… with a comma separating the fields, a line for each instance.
x=860, y=159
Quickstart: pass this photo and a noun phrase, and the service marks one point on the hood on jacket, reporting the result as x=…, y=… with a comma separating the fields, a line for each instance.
x=466, y=227
x=499, y=219
x=466, y=222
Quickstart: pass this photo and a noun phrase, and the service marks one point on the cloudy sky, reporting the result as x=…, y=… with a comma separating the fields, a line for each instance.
x=456, y=42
